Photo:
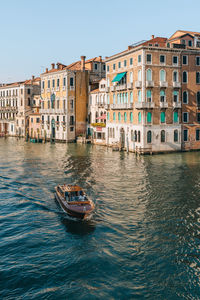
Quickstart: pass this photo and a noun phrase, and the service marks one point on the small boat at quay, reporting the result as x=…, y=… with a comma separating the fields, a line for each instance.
x=74, y=201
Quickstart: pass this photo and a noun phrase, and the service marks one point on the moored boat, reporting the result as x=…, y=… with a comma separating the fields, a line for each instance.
x=74, y=201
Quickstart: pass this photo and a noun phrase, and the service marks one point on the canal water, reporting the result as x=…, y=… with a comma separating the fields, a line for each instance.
x=142, y=242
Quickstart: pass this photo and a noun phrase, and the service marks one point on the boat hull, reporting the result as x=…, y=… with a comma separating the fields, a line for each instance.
x=72, y=212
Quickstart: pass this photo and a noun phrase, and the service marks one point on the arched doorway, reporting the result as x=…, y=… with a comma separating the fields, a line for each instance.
x=53, y=130
x=122, y=137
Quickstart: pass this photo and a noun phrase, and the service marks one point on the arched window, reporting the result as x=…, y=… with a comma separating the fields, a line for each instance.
x=108, y=99
x=149, y=117
x=139, y=75
x=131, y=117
x=162, y=96
x=185, y=97
x=175, y=76
x=198, y=98
x=162, y=117
x=131, y=97
x=138, y=136
x=162, y=75
x=114, y=116
x=175, y=135
x=119, y=116
x=175, y=96
x=96, y=99
x=162, y=136
x=148, y=95
x=135, y=136
x=131, y=76
x=175, y=117
x=149, y=75
x=118, y=98
x=125, y=117
x=185, y=77
x=149, y=137
x=139, y=117
x=108, y=116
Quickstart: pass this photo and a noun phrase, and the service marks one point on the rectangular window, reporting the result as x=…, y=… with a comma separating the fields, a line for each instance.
x=119, y=64
x=197, y=134
x=95, y=66
x=29, y=91
x=175, y=96
x=48, y=84
x=58, y=82
x=162, y=117
x=162, y=59
x=43, y=84
x=124, y=63
x=131, y=61
x=185, y=135
x=37, y=120
x=107, y=68
x=148, y=58
x=53, y=83
x=185, y=59
x=131, y=97
x=185, y=117
x=139, y=58
x=148, y=95
x=197, y=60
x=175, y=117
x=175, y=60
x=198, y=117
x=197, y=77
x=64, y=81
x=71, y=81
x=113, y=66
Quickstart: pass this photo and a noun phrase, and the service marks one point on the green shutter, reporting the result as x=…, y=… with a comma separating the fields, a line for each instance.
x=139, y=117
x=125, y=117
x=149, y=117
x=162, y=117
x=131, y=117
x=108, y=116
x=131, y=97
x=162, y=93
x=119, y=116
x=175, y=117
x=114, y=116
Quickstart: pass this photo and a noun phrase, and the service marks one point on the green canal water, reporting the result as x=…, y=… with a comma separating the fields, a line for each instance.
x=142, y=242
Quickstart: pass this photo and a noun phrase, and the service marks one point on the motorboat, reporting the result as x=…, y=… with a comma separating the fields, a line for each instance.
x=74, y=201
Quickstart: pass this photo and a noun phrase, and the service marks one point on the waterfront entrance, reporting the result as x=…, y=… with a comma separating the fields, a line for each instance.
x=53, y=130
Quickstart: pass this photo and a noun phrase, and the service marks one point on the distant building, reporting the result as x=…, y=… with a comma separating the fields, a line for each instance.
x=64, y=98
x=97, y=114
x=16, y=105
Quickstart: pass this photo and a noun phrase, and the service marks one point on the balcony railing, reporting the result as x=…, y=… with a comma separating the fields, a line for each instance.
x=121, y=87
x=122, y=106
x=176, y=84
x=138, y=84
x=163, y=84
x=130, y=85
x=164, y=104
x=176, y=104
x=53, y=111
x=149, y=83
x=144, y=105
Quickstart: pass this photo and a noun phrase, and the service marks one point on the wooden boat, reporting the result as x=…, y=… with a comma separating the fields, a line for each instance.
x=74, y=201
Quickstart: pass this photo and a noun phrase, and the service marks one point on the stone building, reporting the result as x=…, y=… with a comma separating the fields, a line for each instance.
x=147, y=86
x=16, y=105
x=97, y=114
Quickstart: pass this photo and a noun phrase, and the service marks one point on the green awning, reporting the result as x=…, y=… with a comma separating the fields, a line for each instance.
x=118, y=77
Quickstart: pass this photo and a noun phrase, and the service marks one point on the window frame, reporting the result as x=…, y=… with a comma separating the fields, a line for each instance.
x=186, y=114
x=148, y=62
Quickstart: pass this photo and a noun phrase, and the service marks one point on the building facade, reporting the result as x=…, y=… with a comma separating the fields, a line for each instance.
x=97, y=114
x=146, y=86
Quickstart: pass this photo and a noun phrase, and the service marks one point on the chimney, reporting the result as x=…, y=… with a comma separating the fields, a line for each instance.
x=129, y=47
x=83, y=63
x=100, y=58
x=33, y=77
x=152, y=37
x=53, y=66
x=46, y=70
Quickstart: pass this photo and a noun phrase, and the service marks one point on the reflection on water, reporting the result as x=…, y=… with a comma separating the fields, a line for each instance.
x=142, y=241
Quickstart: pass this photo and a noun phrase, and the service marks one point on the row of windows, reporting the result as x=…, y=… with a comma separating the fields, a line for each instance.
x=162, y=136
x=148, y=117
x=59, y=119
x=186, y=136
x=162, y=60
x=49, y=82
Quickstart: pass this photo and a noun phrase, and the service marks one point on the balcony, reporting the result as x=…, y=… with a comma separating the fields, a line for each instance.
x=107, y=106
x=176, y=84
x=121, y=87
x=163, y=104
x=122, y=106
x=112, y=88
x=144, y=105
x=176, y=104
x=138, y=84
x=163, y=84
x=130, y=85
x=149, y=83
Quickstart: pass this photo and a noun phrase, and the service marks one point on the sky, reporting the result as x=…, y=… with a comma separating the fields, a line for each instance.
x=34, y=34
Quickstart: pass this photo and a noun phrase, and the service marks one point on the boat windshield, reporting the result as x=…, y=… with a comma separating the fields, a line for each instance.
x=76, y=196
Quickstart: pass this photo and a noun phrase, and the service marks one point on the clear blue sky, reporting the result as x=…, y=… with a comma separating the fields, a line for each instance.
x=33, y=34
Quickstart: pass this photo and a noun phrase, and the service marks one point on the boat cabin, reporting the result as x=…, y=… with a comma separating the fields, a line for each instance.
x=72, y=193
